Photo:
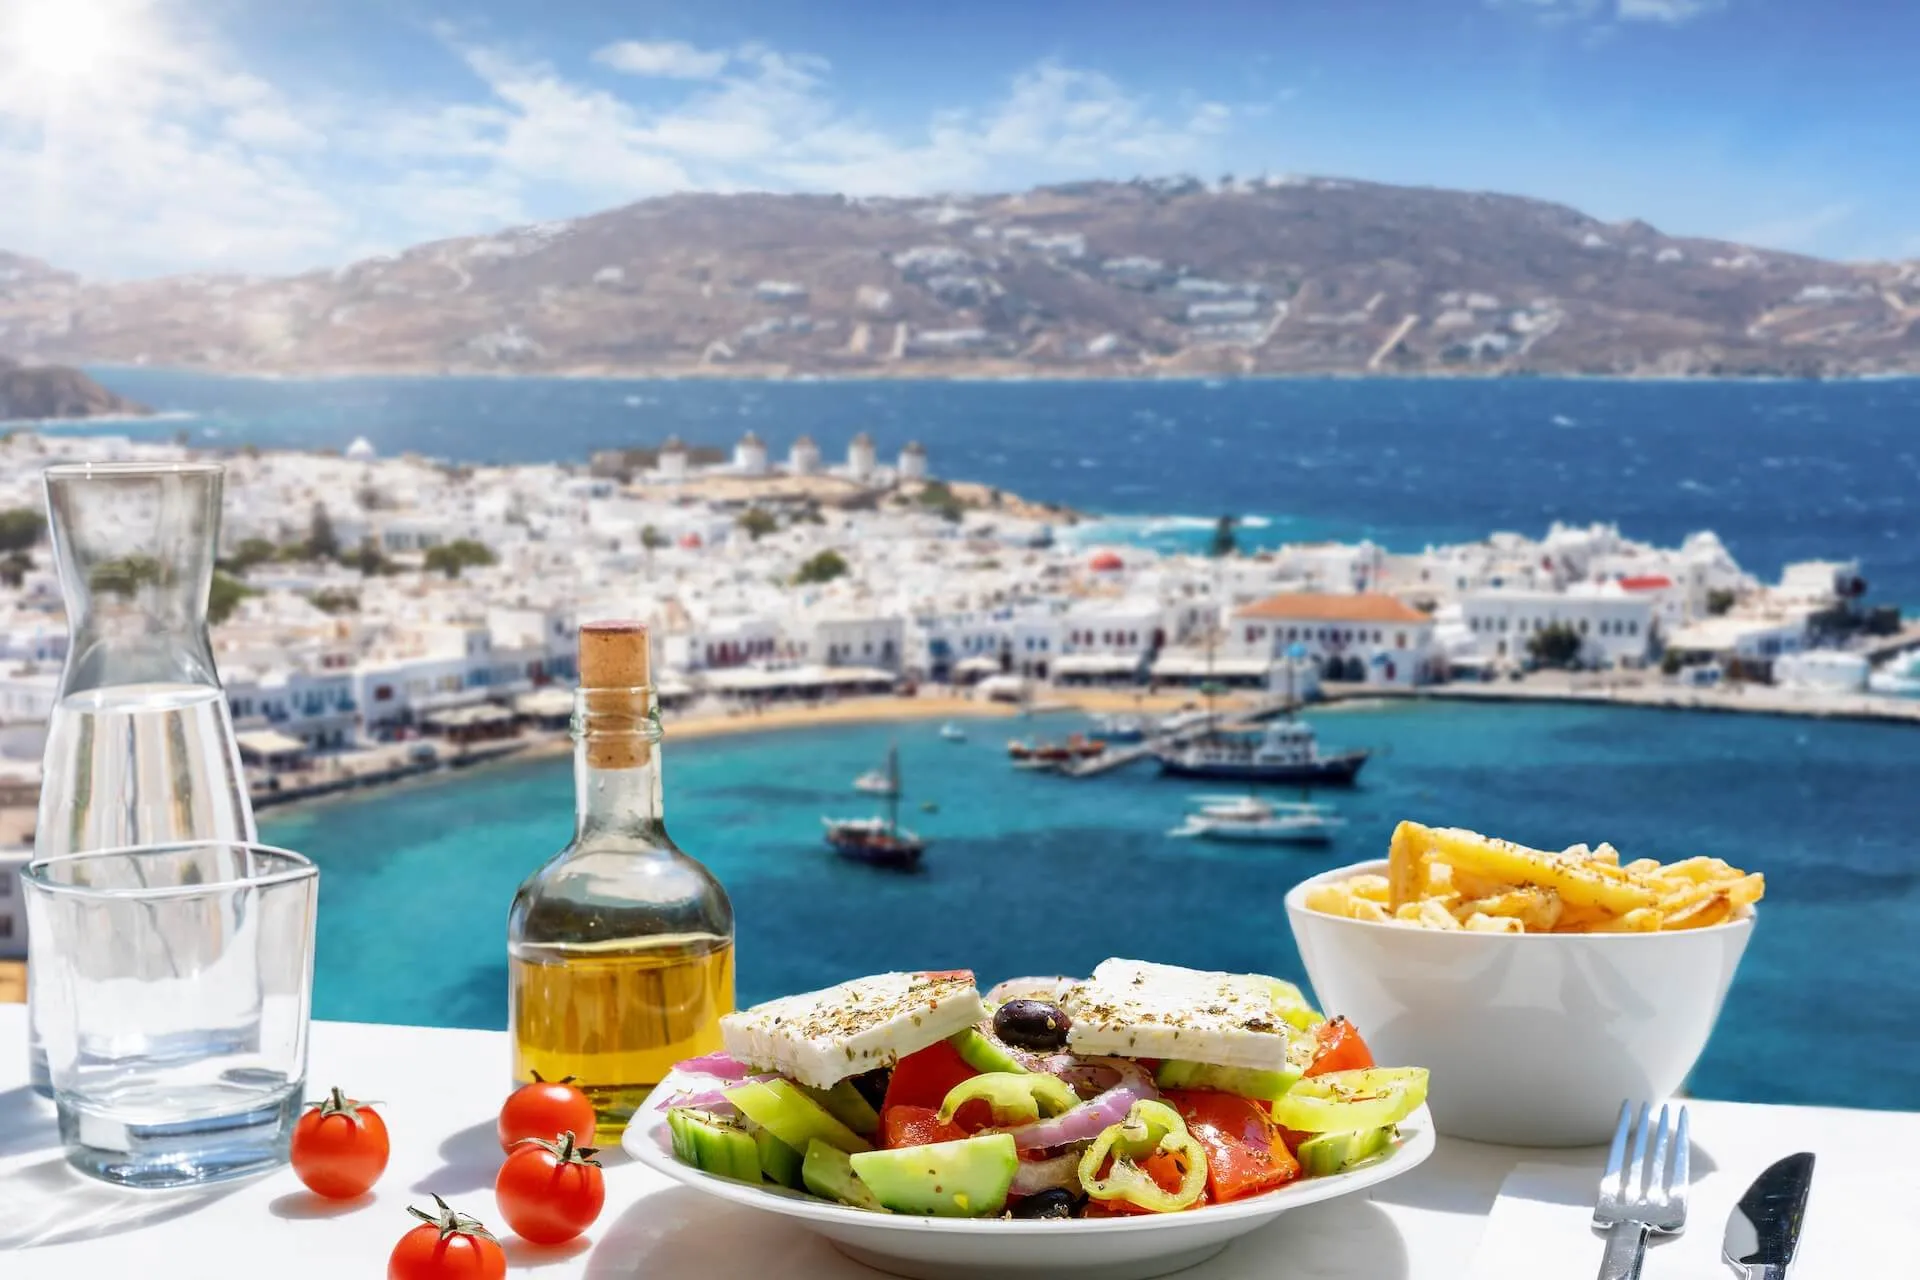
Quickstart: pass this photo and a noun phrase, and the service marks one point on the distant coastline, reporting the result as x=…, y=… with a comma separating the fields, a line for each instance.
x=930, y=373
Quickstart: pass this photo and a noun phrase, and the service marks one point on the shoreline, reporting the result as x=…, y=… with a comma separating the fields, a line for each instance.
x=759, y=374
x=892, y=709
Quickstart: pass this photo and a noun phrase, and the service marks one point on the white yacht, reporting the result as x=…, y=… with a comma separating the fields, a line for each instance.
x=1253, y=820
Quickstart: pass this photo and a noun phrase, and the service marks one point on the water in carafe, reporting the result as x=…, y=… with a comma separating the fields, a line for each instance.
x=140, y=746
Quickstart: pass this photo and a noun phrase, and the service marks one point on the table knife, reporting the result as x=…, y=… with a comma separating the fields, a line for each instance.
x=1764, y=1228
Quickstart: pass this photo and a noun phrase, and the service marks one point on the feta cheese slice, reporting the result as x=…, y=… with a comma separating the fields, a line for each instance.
x=1133, y=1009
x=821, y=1037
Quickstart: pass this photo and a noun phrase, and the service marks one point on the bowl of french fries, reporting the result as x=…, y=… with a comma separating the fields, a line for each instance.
x=1541, y=988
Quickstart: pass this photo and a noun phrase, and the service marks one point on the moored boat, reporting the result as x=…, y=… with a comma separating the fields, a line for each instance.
x=1250, y=819
x=1286, y=751
x=880, y=842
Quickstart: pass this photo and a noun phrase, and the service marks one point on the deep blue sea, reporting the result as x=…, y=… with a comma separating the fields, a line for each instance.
x=1038, y=874
x=1781, y=470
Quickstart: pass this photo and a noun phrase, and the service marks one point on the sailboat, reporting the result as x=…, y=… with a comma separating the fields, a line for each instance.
x=881, y=842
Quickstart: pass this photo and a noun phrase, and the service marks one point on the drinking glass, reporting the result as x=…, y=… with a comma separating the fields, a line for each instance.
x=173, y=985
x=140, y=746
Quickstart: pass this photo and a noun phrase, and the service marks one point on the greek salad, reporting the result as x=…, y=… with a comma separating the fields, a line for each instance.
x=1143, y=1089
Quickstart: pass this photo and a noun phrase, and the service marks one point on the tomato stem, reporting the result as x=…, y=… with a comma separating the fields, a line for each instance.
x=450, y=1222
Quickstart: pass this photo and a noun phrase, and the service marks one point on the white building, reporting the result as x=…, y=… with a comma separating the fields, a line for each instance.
x=861, y=460
x=1745, y=642
x=1615, y=627
x=803, y=458
x=672, y=466
x=837, y=639
x=750, y=456
x=1362, y=636
x=913, y=462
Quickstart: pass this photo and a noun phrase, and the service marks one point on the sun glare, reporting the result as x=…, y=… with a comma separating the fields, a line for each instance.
x=64, y=41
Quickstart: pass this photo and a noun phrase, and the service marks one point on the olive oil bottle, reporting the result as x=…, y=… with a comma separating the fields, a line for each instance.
x=620, y=948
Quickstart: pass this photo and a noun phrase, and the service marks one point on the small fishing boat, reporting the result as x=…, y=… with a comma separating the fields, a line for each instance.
x=880, y=842
x=1019, y=749
x=1249, y=819
x=874, y=782
x=952, y=732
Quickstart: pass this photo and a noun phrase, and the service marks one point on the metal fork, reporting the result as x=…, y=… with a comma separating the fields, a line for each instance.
x=1641, y=1195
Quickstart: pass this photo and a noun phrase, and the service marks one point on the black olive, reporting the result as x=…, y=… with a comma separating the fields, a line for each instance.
x=1055, y=1202
x=1032, y=1024
x=872, y=1085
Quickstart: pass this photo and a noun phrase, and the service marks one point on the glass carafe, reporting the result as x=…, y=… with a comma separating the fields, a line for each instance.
x=140, y=746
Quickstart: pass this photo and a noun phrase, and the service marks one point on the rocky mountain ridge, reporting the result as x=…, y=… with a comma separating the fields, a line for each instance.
x=1165, y=277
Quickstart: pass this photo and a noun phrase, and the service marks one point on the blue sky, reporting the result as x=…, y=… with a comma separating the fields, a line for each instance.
x=152, y=136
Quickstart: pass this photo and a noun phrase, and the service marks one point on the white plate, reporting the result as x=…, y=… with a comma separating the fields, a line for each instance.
x=1131, y=1248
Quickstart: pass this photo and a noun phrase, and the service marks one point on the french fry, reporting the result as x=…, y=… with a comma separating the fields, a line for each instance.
x=1713, y=909
x=1449, y=879
x=1406, y=864
x=1639, y=920
x=1372, y=888
x=1578, y=883
x=1536, y=909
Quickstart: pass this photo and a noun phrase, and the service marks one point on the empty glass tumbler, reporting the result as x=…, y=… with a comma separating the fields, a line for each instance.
x=140, y=746
x=174, y=986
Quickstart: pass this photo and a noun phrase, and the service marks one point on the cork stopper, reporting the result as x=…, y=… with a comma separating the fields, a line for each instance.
x=614, y=655
x=615, y=672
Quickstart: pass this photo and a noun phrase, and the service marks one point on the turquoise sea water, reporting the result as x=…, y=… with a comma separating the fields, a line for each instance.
x=1038, y=874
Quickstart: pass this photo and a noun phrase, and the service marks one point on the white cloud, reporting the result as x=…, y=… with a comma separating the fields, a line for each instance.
x=181, y=159
x=666, y=59
x=1669, y=11
x=1555, y=12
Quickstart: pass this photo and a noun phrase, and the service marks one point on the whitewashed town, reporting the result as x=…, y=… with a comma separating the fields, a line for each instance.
x=372, y=614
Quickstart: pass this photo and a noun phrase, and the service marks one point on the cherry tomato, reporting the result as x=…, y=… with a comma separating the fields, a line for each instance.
x=1340, y=1049
x=545, y=1109
x=549, y=1192
x=339, y=1147
x=446, y=1246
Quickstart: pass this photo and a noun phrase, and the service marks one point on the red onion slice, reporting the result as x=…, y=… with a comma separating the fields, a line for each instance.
x=1084, y=1122
x=711, y=1100
x=1035, y=1176
x=721, y=1065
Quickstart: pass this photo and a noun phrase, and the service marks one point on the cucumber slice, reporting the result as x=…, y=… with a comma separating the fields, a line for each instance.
x=1337, y=1152
x=984, y=1053
x=778, y=1161
x=828, y=1173
x=714, y=1144
x=1247, y=1082
x=781, y=1108
x=1343, y=1101
x=968, y=1178
x=844, y=1103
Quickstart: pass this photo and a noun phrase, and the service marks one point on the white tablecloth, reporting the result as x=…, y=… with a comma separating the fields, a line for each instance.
x=441, y=1090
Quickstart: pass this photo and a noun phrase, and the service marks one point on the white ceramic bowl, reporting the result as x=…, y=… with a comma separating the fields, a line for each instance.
x=1532, y=1039
x=965, y=1248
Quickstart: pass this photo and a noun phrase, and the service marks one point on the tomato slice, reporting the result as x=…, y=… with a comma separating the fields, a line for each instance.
x=915, y=1127
x=1166, y=1173
x=1245, y=1153
x=924, y=1079
x=1340, y=1049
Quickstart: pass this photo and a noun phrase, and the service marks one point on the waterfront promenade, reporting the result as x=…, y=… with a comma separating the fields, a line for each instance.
x=1630, y=690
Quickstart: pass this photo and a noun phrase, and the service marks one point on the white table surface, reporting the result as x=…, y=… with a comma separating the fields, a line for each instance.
x=441, y=1090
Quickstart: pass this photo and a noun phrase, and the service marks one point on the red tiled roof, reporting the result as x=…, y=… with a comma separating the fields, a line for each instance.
x=1106, y=562
x=1646, y=582
x=1314, y=606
